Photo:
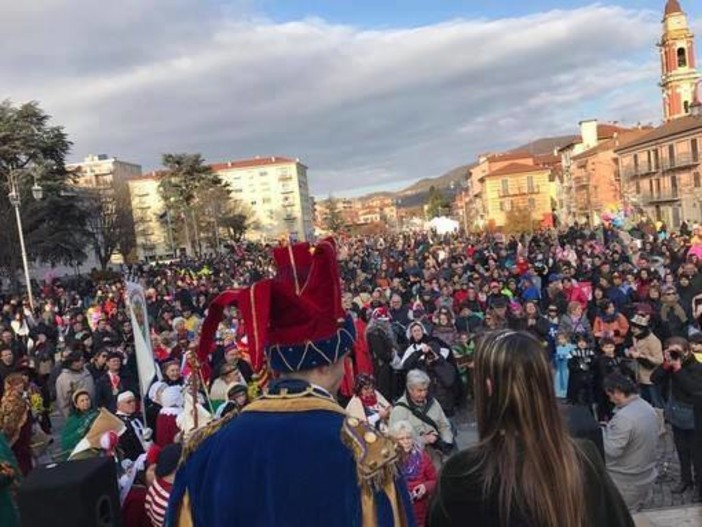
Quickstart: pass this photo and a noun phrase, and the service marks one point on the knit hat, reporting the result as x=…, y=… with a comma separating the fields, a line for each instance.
x=168, y=459
x=380, y=313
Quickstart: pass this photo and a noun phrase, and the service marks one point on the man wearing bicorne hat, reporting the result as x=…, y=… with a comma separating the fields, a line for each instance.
x=293, y=457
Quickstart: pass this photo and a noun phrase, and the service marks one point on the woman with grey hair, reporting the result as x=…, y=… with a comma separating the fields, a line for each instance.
x=425, y=415
x=416, y=468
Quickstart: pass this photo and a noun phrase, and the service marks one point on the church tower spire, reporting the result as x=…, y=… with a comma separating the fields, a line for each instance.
x=679, y=75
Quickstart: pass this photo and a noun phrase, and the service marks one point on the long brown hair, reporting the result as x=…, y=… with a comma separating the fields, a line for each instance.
x=528, y=459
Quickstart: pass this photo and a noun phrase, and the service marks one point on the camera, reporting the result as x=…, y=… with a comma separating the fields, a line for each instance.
x=675, y=355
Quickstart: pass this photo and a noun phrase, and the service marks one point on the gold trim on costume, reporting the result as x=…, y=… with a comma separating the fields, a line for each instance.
x=294, y=404
x=185, y=515
x=294, y=269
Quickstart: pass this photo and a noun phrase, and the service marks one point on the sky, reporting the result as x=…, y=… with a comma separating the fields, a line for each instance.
x=369, y=95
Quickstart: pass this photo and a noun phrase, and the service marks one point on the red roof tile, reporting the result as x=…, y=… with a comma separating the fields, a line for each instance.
x=607, y=131
x=509, y=156
x=515, y=168
x=672, y=6
x=689, y=123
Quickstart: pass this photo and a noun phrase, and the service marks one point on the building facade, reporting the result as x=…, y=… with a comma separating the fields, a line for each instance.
x=679, y=75
x=661, y=172
x=151, y=219
x=276, y=191
x=513, y=182
x=109, y=178
x=595, y=177
x=661, y=169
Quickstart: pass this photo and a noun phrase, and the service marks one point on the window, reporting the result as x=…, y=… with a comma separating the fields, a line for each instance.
x=686, y=106
x=695, y=150
x=266, y=201
x=505, y=187
x=253, y=202
x=636, y=163
x=263, y=173
x=655, y=159
x=532, y=203
x=671, y=155
x=682, y=58
x=696, y=178
x=638, y=188
x=530, y=183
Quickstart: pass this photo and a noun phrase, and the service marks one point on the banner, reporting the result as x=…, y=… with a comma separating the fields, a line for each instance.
x=146, y=366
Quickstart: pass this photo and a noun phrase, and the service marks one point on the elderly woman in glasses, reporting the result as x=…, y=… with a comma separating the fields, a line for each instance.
x=416, y=468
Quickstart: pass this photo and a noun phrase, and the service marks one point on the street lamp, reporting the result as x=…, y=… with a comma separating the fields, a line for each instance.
x=16, y=201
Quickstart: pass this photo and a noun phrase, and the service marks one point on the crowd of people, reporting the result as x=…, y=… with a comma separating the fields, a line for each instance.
x=611, y=315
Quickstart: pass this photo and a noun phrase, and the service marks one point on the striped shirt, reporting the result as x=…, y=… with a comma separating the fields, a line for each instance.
x=157, y=501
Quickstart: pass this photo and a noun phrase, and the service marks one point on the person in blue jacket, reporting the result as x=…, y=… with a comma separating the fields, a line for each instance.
x=292, y=458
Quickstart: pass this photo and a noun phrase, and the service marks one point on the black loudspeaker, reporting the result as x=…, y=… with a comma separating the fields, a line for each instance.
x=80, y=493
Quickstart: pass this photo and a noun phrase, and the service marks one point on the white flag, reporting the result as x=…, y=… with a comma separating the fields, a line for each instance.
x=146, y=365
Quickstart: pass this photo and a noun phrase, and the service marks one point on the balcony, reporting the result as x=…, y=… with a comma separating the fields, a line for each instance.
x=518, y=191
x=681, y=161
x=644, y=170
x=668, y=194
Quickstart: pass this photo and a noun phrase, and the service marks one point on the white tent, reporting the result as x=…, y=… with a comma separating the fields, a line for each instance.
x=443, y=225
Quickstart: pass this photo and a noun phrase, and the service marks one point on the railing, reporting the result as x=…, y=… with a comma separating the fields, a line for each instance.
x=631, y=172
x=662, y=195
x=681, y=161
x=519, y=191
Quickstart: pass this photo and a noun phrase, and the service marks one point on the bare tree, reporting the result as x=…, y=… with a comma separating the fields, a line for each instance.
x=109, y=223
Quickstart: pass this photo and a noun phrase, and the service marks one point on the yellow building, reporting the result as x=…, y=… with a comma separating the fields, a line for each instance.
x=276, y=191
x=513, y=181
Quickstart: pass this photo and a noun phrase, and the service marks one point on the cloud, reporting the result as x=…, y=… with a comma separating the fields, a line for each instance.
x=360, y=107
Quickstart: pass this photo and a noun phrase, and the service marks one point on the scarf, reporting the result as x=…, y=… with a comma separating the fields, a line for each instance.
x=412, y=465
x=369, y=401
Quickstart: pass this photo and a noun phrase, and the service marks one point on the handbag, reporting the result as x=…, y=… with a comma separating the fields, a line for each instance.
x=680, y=415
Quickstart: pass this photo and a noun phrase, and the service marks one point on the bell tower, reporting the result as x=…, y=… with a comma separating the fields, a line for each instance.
x=679, y=75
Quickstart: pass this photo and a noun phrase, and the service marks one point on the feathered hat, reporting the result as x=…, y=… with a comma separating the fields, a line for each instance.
x=295, y=320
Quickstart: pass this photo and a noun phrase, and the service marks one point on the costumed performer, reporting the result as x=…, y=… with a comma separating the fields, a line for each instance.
x=299, y=459
x=78, y=423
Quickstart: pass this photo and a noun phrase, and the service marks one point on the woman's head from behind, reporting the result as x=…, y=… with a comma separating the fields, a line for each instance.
x=526, y=450
x=513, y=384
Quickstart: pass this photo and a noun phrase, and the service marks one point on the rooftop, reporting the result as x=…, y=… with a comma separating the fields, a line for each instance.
x=254, y=162
x=516, y=168
x=689, y=123
x=672, y=6
x=622, y=140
